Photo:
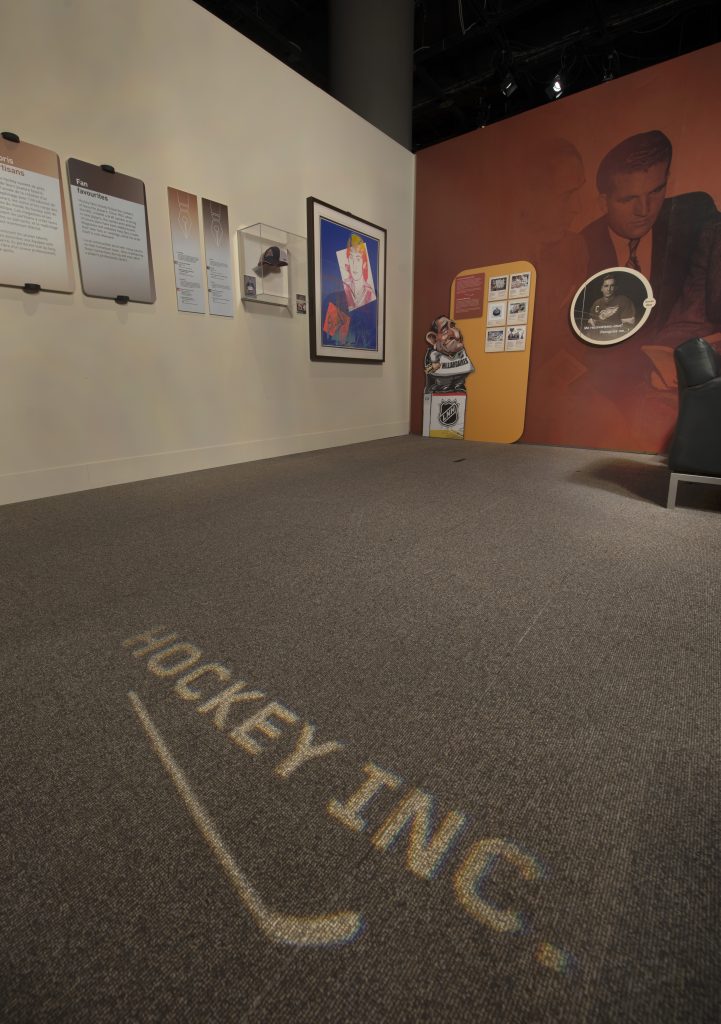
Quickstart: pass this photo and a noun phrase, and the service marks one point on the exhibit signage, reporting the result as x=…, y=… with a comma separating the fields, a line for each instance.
x=507, y=314
x=34, y=239
x=217, y=258
x=111, y=228
x=497, y=335
x=187, y=260
x=469, y=295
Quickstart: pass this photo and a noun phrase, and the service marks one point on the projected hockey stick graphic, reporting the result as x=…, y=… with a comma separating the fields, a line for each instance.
x=318, y=930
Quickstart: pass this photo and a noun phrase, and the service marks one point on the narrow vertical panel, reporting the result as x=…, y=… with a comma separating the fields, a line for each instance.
x=218, y=265
x=187, y=258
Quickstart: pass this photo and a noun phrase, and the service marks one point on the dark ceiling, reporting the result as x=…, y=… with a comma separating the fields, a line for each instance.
x=464, y=49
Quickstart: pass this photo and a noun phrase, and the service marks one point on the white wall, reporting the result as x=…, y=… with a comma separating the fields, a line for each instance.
x=92, y=393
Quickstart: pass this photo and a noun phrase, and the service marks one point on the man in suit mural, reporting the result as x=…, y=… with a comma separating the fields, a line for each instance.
x=697, y=312
x=641, y=228
x=624, y=396
x=670, y=241
x=552, y=177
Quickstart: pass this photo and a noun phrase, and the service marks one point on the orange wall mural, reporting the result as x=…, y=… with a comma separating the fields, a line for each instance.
x=625, y=177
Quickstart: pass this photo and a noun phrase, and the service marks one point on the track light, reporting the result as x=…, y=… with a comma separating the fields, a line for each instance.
x=509, y=85
x=611, y=66
x=555, y=89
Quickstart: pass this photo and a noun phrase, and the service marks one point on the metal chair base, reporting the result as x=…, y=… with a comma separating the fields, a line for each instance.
x=689, y=478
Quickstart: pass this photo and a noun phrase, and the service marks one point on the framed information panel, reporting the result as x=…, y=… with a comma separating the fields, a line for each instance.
x=111, y=228
x=34, y=237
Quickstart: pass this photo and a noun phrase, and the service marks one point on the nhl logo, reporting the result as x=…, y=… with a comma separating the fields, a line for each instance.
x=448, y=413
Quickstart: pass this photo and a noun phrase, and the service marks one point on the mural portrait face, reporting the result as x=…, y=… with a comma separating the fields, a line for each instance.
x=551, y=193
x=563, y=197
x=635, y=200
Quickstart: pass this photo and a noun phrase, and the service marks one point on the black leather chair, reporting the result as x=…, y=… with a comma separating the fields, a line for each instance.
x=695, y=452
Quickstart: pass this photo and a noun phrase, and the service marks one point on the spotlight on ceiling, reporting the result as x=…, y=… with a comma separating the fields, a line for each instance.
x=555, y=89
x=509, y=85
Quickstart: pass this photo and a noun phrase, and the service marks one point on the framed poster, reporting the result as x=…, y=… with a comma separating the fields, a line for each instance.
x=347, y=286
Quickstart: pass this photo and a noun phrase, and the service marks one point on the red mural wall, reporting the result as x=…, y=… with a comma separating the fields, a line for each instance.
x=624, y=175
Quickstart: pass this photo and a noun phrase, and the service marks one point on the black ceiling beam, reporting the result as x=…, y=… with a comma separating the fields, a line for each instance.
x=441, y=96
x=490, y=25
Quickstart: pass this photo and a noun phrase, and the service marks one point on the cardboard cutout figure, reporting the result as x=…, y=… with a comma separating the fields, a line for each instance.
x=447, y=365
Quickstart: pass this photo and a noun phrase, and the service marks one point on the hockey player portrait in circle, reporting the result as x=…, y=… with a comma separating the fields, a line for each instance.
x=611, y=306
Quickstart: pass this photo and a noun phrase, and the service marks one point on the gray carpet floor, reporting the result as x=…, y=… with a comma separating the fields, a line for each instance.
x=404, y=731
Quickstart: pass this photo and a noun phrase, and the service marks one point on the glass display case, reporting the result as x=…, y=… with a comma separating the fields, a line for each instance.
x=270, y=261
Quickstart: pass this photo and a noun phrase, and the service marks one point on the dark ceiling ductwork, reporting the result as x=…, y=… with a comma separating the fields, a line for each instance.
x=464, y=50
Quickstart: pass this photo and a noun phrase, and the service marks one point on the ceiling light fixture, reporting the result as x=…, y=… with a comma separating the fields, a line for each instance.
x=611, y=66
x=555, y=89
x=509, y=85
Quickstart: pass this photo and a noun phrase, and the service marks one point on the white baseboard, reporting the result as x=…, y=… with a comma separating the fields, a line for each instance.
x=43, y=483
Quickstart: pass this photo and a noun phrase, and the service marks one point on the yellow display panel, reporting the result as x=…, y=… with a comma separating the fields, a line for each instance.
x=496, y=402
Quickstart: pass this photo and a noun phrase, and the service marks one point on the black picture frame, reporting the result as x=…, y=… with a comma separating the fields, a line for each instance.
x=346, y=286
